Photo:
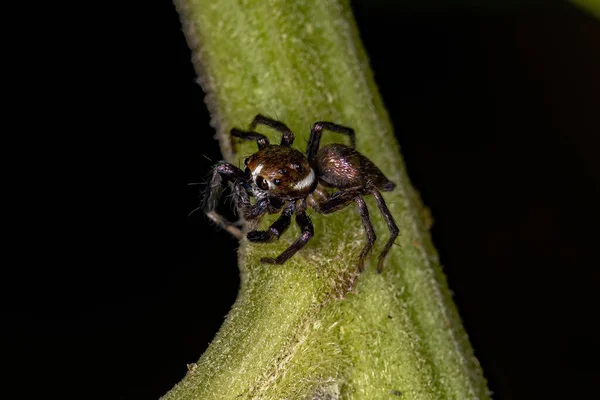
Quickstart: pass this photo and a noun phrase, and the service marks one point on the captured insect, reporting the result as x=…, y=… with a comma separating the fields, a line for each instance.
x=284, y=180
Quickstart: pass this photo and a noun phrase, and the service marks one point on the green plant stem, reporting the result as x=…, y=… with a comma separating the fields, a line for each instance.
x=312, y=328
x=591, y=6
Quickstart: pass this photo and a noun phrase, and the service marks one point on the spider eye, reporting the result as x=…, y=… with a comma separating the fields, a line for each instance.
x=277, y=182
x=246, y=161
x=262, y=183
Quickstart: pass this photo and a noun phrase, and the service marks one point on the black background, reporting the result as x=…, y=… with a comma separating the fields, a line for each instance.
x=110, y=288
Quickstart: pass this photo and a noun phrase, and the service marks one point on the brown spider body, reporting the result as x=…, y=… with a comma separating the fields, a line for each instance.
x=282, y=179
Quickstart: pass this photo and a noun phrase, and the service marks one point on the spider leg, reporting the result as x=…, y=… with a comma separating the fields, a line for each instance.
x=342, y=199
x=276, y=229
x=231, y=173
x=288, y=137
x=261, y=139
x=336, y=201
x=389, y=220
x=228, y=172
x=314, y=140
x=368, y=225
x=252, y=212
x=307, y=228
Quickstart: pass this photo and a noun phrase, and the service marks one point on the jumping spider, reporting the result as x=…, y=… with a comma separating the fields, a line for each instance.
x=282, y=179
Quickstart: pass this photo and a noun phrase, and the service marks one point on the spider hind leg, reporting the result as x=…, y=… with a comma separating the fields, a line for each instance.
x=389, y=220
x=368, y=226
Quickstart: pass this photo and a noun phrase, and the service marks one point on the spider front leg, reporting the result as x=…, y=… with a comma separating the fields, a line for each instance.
x=307, y=228
x=312, y=148
x=228, y=172
x=276, y=229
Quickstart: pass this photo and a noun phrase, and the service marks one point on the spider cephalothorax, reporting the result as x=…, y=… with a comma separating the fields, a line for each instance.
x=283, y=180
x=281, y=171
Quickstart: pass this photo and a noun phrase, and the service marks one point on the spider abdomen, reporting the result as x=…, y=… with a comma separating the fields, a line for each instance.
x=342, y=167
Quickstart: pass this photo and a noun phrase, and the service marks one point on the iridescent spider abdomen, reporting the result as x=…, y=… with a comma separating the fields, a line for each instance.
x=342, y=167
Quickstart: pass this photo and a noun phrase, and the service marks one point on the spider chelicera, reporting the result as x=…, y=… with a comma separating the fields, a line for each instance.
x=283, y=180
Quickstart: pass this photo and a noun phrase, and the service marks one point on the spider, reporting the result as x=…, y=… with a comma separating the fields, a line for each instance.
x=284, y=180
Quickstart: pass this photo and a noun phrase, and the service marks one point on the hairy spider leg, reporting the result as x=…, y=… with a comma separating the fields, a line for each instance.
x=276, y=229
x=342, y=199
x=308, y=231
x=312, y=148
x=261, y=139
x=287, y=138
x=230, y=173
x=369, y=230
x=389, y=219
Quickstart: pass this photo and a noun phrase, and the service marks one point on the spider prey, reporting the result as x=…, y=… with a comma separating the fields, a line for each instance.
x=282, y=179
